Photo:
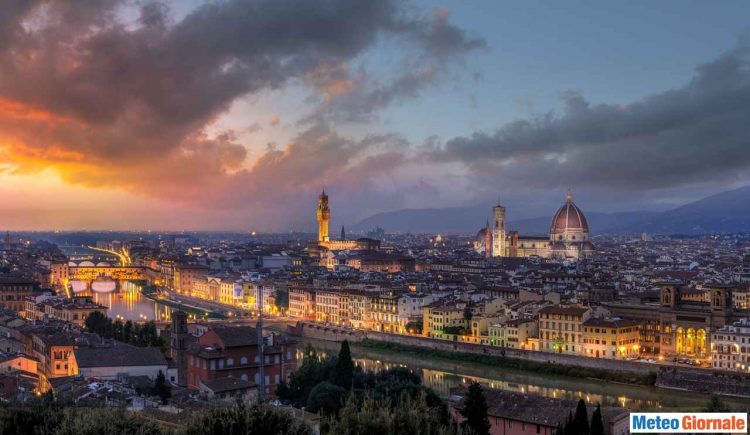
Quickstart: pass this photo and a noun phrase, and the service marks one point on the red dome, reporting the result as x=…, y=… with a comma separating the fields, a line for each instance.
x=569, y=217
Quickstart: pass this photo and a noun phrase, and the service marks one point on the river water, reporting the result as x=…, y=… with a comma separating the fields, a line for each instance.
x=442, y=375
x=128, y=303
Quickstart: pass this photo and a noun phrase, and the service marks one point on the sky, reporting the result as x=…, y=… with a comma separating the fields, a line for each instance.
x=234, y=114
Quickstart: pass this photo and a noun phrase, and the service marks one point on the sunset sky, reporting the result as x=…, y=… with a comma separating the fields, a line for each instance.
x=232, y=115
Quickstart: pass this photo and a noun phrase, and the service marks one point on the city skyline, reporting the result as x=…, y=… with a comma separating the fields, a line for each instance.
x=192, y=116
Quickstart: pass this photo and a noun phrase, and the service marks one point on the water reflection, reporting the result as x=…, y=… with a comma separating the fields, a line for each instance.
x=442, y=376
x=128, y=303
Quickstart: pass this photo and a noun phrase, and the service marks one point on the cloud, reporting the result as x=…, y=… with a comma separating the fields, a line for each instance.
x=126, y=104
x=356, y=96
x=696, y=133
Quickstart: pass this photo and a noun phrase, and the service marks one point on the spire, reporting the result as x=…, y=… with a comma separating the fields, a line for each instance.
x=569, y=196
x=343, y=233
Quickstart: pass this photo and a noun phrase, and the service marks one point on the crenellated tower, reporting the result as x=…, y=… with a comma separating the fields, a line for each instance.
x=324, y=216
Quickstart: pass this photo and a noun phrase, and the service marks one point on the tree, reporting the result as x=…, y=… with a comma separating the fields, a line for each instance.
x=127, y=332
x=405, y=415
x=343, y=374
x=162, y=388
x=570, y=425
x=716, y=405
x=96, y=322
x=326, y=398
x=581, y=418
x=597, y=425
x=117, y=330
x=254, y=420
x=474, y=410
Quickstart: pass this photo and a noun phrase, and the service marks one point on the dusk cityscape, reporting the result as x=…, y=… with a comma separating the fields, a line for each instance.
x=391, y=217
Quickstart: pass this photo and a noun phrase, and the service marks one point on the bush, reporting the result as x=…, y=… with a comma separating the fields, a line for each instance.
x=253, y=420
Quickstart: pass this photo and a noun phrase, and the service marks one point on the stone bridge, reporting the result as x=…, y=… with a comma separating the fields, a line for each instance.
x=90, y=273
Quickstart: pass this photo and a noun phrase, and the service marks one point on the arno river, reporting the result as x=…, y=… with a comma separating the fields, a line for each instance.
x=441, y=375
x=129, y=304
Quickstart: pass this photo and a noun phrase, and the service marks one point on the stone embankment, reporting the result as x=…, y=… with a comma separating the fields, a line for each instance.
x=688, y=378
x=712, y=382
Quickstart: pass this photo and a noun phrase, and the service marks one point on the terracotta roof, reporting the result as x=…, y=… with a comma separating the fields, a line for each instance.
x=119, y=355
x=558, y=309
x=237, y=336
x=610, y=323
x=569, y=216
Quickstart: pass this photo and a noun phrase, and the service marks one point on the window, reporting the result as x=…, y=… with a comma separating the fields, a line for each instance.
x=243, y=360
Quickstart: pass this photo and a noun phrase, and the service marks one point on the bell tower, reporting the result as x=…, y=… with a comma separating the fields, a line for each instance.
x=498, y=231
x=324, y=216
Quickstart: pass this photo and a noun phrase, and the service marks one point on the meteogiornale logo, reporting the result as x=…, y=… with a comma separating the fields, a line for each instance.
x=688, y=422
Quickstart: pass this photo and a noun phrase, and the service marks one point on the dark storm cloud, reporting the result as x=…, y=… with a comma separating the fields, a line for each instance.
x=355, y=96
x=699, y=132
x=109, y=103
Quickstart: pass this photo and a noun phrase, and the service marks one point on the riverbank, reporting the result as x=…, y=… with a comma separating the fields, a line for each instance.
x=516, y=364
x=443, y=375
x=150, y=291
x=573, y=366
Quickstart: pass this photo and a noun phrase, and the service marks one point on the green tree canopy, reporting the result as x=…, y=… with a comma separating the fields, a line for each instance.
x=597, y=424
x=326, y=398
x=581, y=418
x=254, y=420
x=343, y=373
x=162, y=388
x=474, y=410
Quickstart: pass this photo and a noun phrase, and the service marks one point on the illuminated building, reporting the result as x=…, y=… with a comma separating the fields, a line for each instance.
x=324, y=216
x=324, y=247
x=568, y=236
x=498, y=232
x=675, y=326
x=730, y=347
x=14, y=290
x=561, y=328
x=610, y=338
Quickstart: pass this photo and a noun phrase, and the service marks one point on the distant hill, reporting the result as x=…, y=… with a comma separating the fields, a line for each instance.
x=725, y=212
x=456, y=220
x=468, y=220
x=599, y=223
x=721, y=213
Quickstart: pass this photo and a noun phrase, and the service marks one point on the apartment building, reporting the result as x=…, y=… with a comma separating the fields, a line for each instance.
x=611, y=338
x=561, y=328
x=730, y=347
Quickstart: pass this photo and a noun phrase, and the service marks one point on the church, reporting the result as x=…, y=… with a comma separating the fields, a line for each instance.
x=568, y=236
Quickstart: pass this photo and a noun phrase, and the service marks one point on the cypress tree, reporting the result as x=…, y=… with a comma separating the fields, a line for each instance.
x=343, y=375
x=475, y=410
x=597, y=424
x=570, y=426
x=581, y=418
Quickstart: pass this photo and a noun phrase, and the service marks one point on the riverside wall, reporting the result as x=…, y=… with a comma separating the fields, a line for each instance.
x=668, y=376
x=336, y=333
